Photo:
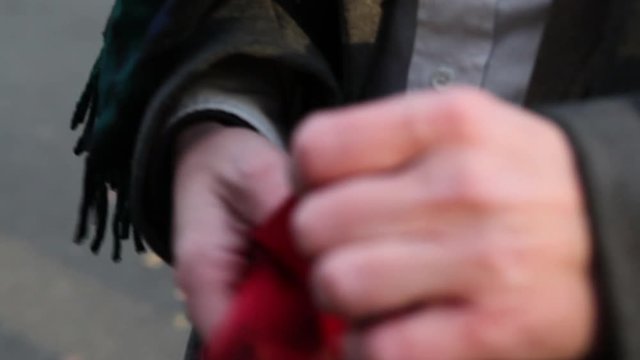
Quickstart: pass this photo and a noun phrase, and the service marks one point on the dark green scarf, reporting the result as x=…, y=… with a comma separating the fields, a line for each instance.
x=143, y=42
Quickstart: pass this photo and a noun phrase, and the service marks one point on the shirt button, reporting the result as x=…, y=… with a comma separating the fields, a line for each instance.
x=442, y=77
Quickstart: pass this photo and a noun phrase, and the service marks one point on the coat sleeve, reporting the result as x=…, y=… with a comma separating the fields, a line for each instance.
x=261, y=86
x=605, y=134
x=259, y=33
x=265, y=43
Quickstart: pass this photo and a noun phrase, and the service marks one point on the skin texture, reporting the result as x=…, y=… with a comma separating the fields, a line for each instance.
x=222, y=191
x=445, y=225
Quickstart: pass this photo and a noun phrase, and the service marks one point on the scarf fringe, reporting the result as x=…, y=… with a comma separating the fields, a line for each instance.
x=162, y=26
x=94, y=208
x=94, y=205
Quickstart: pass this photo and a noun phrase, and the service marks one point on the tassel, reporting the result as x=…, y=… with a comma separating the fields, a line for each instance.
x=117, y=228
x=116, y=256
x=101, y=213
x=87, y=98
x=83, y=142
x=143, y=42
x=122, y=224
x=88, y=193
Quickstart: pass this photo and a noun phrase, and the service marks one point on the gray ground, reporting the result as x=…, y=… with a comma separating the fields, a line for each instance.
x=57, y=301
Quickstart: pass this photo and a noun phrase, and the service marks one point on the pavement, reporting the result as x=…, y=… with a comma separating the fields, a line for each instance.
x=57, y=300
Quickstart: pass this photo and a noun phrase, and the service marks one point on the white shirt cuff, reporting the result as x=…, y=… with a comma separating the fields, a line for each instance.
x=204, y=96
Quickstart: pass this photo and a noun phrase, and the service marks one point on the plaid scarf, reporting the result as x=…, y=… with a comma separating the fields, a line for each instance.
x=143, y=41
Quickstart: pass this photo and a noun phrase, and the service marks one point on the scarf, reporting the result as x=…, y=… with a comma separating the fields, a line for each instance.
x=143, y=41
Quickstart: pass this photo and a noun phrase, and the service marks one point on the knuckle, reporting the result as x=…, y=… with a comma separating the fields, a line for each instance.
x=501, y=332
x=459, y=113
x=499, y=266
x=471, y=183
x=329, y=280
x=305, y=225
x=486, y=334
x=492, y=262
x=526, y=333
x=347, y=283
x=386, y=344
x=415, y=128
x=308, y=140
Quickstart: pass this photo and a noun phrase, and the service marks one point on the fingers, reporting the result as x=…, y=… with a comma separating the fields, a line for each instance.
x=360, y=210
x=382, y=250
x=222, y=190
x=387, y=133
x=447, y=191
x=457, y=331
x=431, y=197
x=430, y=333
x=373, y=279
x=498, y=328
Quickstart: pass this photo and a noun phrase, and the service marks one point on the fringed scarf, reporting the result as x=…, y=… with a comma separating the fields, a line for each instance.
x=143, y=41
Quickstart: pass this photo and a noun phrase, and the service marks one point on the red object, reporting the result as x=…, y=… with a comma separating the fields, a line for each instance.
x=273, y=316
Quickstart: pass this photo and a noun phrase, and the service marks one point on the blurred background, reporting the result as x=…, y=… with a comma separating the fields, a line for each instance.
x=57, y=300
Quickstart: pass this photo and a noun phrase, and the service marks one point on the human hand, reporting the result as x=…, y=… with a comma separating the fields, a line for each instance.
x=227, y=182
x=447, y=225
